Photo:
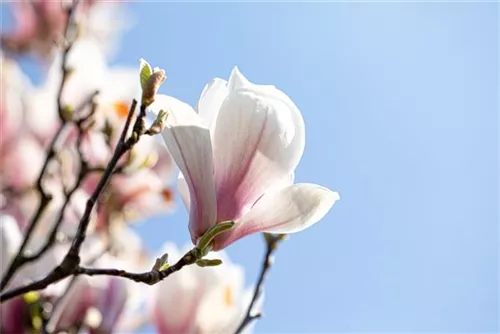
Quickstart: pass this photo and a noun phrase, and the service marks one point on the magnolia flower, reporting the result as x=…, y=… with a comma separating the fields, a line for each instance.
x=12, y=313
x=94, y=302
x=237, y=157
x=200, y=300
x=101, y=303
x=21, y=162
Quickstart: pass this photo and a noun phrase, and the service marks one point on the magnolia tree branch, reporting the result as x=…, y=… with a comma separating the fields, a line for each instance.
x=45, y=198
x=272, y=241
x=70, y=264
x=84, y=171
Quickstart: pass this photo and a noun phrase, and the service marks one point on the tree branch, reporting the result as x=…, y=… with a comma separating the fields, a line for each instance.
x=45, y=198
x=62, y=271
x=70, y=263
x=272, y=242
x=150, y=277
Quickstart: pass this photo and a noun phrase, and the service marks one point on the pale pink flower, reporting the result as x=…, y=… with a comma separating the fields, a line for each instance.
x=200, y=300
x=12, y=313
x=21, y=162
x=95, y=302
x=238, y=157
x=101, y=302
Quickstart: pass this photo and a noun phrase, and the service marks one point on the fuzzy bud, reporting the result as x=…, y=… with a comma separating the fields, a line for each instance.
x=151, y=87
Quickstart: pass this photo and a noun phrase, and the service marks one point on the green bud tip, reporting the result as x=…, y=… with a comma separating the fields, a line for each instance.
x=205, y=240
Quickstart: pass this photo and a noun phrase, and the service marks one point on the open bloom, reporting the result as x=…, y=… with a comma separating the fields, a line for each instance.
x=237, y=157
x=201, y=300
x=97, y=303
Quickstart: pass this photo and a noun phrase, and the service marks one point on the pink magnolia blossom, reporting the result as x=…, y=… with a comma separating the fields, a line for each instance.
x=96, y=302
x=21, y=162
x=200, y=300
x=13, y=314
x=100, y=303
x=237, y=157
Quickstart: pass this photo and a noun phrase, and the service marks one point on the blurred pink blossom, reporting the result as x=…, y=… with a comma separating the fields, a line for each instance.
x=39, y=24
x=200, y=300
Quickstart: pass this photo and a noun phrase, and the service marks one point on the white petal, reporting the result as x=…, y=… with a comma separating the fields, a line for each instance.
x=111, y=301
x=183, y=190
x=73, y=306
x=11, y=240
x=211, y=100
x=215, y=313
x=287, y=210
x=189, y=144
x=175, y=303
x=237, y=81
x=121, y=85
x=259, y=139
x=292, y=209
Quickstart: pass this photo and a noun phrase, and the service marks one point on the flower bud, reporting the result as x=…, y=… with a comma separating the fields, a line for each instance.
x=159, y=123
x=151, y=87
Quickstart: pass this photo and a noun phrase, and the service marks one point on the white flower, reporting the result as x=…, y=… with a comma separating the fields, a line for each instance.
x=238, y=157
x=200, y=300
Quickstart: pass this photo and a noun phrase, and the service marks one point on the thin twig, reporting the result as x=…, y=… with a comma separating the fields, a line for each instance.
x=151, y=277
x=122, y=147
x=271, y=246
x=22, y=258
x=45, y=198
x=70, y=264
x=84, y=171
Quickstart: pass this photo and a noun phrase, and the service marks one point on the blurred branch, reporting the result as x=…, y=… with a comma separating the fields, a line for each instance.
x=45, y=197
x=150, y=277
x=66, y=269
x=70, y=264
x=272, y=241
x=90, y=261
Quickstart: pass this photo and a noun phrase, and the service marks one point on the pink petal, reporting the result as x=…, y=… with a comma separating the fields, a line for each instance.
x=190, y=146
x=73, y=306
x=287, y=210
x=111, y=303
x=259, y=139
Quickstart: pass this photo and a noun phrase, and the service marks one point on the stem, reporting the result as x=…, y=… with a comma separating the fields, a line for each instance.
x=271, y=246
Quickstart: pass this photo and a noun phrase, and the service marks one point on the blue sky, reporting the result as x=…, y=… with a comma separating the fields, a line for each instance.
x=400, y=102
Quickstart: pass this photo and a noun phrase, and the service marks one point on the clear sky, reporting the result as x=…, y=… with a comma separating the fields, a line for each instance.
x=400, y=102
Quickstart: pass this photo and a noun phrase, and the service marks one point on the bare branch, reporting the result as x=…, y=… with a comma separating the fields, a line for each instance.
x=272, y=242
x=45, y=198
